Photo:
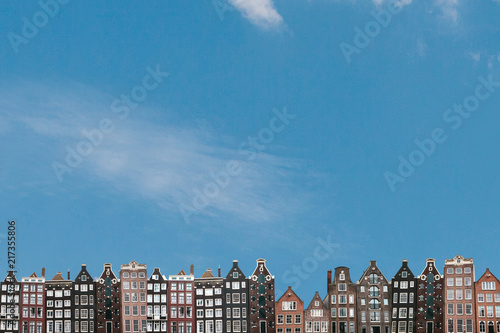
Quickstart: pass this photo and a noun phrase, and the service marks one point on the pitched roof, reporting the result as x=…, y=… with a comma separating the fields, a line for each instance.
x=33, y=275
x=182, y=272
x=289, y=293
x=208, y=274
x=58, y=277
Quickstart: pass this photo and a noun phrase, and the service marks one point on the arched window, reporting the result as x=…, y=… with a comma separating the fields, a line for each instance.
x=430, y=289
x=374, y=304
x=262, y=313
x=430, y=301
x=109, y=314
x=262, y=289
x=373, y=278
x=429, y=314
x=107, y=302
x=107, y=281
x=491, y=327
x=262, y=301
x=374, y=291
x=107, y=291
x=430, y=277
x=482, y=327
x=261, y=278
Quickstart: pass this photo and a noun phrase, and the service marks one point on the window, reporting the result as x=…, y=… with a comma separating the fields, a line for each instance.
x=480, y=297
x=342, y=312
x=298, y=319
x=373, y=278
x=449, y=295
x=343, y=299
x=292, y=305
x=374, y=304
x=374, y=291
x=403, y=313
x=467, y=281
x=468, y=293
x=481, y=311
x=334, y=299
x=342, y=287
x=489, y=311
x=375, y=316
x=468, y=309
x=404, y=284
x=458, y=271
x=449, y=271
x=404, y=298
x=449, y=282
x=317, y=313
x=458, y=282
x=469, y=326
x=450, y=308
x=460, y=309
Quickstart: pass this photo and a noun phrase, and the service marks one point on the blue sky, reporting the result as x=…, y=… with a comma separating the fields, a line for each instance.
x=306, y=140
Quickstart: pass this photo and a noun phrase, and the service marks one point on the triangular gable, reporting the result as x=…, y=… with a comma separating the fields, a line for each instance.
x=288, y=291
x=314, y=299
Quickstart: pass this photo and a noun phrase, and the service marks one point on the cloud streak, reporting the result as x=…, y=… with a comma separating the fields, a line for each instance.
x=145, y=160
x=260, y=12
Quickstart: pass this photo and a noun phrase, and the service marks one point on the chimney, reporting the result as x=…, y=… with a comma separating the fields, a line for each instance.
x=329, y=278
x=218, y=272
x=191, y=271
x=43, y=271
x=68, y=275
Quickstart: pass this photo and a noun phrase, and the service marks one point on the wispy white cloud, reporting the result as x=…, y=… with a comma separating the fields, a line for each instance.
x=421, y=47
x=260, y=12
x=476, y=56
x=449, y=9
x=142, y=159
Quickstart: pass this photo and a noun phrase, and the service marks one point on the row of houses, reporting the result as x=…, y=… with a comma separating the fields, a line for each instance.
x=133, y=301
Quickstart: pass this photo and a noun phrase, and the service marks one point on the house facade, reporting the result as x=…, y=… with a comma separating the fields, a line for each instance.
x=373, y=301
x=84, y=302
x=316, y=316
x=404, y=300
x=59, y=304
x=261, y=302
x=208, y=303
x=430, y=306
x=341, y=301
x=181, y=285
x=108, y=302
x=133, y=282
x=33, y=304
x=235, y=300
x=10, y=295
x=460, y=314
x=157, y=303
x=487, y=290
x=289, y=309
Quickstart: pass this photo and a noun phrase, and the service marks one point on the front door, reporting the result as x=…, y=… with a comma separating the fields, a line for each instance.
x=430, y=327
x=109, y=327
x=375, y=329
x=262, y=327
